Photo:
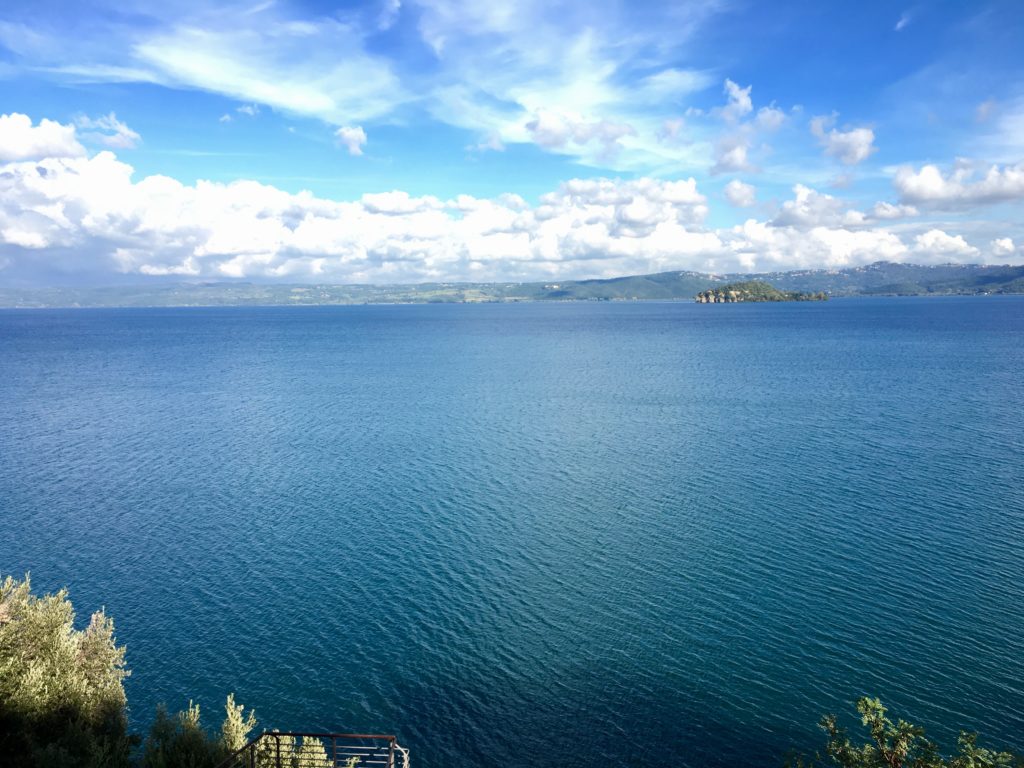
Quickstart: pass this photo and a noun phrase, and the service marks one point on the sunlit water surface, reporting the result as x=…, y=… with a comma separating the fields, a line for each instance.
x=545, y=534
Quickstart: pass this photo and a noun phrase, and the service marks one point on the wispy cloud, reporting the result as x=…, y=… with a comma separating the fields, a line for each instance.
x=493, y=69
x=108, y=131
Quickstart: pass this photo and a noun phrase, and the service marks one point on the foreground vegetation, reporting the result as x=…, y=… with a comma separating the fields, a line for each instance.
x=62, y=700
x=63, y=705
x=897, y=745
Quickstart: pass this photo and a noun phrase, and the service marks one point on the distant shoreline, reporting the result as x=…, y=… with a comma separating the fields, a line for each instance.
x=878, y=279
x=854, y=297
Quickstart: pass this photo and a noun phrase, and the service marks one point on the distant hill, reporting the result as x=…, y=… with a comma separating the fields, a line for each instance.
x=880, y=278
x=890, y=278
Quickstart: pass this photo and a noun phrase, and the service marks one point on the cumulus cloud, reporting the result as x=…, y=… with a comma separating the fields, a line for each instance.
x=21, y=140
x=731, y=156
x=731, y=150
x=90, y=212
x=353, y=138
x=760, y=246
x=963, y=185
x=1002, y=247
x=739, y=103
x=554, y=130
x=66, y=216
x=850, y=147
x=739, y=194
x=810, y=208
x=938, y=246
x=108, y=131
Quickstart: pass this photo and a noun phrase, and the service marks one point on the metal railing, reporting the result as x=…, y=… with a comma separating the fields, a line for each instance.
x=276, y=749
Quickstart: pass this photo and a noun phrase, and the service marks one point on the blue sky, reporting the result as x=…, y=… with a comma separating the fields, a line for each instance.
x=403, y=141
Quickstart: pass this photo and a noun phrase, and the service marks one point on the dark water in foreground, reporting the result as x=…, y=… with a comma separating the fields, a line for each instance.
x=571, y=534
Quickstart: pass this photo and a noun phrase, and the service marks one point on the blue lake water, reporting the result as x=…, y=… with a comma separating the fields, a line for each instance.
x=541, y=534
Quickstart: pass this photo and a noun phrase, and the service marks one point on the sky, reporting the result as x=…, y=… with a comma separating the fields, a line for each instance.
x=404, y=141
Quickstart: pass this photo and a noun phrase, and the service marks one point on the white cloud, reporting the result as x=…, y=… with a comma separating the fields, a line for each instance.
x=770, y=118
x=108, y=131
x=491, y=69
x=939, y=247
x=905, y=18
x=20, y=140
x=961, y=186
x=731, y=156
x=225, y=118
x=88, y=214
x=538, y=73
x=760, y=246
x=315, y=68
x=731, y=150
x=67, y=216
x=739, y=103
x=671, y=129
x=810, y=208
x=553, y=130
x=850, y=147
x=489, y=143
x=1002, y=247
x=352, y=138
x=884, y=210
x=739, y=194
x=249, y=110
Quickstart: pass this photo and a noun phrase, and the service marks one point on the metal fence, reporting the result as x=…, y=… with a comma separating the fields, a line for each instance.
x=274, y=749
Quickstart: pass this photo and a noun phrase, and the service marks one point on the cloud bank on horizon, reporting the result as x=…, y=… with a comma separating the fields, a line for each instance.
x=445, y=140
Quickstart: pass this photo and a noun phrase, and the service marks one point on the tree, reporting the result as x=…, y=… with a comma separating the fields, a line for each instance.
x=62, y=698
x=312, y=754
x=234, y=733
x=183, y=742
x=180, y=741
x=898, y=745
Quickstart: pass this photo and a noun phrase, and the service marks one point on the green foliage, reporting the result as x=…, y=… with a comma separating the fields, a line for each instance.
x=278, y=746
x=182, y=741
x=62, y=700
x=753, y=290
x=898, y=745
x=312, y=754
x=234, y=733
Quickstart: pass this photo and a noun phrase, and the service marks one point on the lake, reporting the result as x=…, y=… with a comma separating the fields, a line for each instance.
x=574, y=534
